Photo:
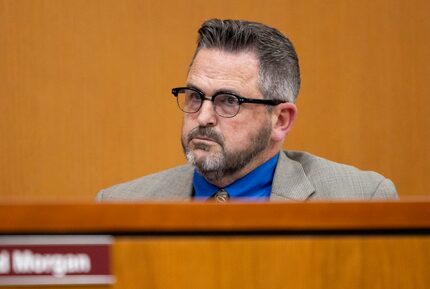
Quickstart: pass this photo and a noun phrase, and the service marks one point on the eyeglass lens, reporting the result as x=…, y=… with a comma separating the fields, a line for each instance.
x=225, y=105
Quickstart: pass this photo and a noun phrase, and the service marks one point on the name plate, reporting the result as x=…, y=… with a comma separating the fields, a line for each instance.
x=51, y=260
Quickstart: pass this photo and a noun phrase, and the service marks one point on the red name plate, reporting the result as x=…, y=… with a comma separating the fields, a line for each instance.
x=50, y=260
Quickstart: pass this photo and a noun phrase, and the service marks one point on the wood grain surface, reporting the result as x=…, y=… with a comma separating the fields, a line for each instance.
x=309, y=262
x=85, y=87
x=372, y=245
x=274, y=262
x=203, y=217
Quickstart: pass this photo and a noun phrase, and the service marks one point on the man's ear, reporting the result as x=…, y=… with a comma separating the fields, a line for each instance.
x=283, y=117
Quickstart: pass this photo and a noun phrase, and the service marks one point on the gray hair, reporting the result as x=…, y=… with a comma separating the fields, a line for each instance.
x=279, y=73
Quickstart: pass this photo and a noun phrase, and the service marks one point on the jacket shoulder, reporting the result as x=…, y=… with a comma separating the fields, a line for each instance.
x=171, y=184
x=333, y=180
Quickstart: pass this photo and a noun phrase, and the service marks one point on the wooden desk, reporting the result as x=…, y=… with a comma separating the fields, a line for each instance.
x=264, y=245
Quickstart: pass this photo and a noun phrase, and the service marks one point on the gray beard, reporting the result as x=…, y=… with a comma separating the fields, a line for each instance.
x=217, y=165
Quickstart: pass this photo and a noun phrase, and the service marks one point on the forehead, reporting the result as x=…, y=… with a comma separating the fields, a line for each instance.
x=214, y=69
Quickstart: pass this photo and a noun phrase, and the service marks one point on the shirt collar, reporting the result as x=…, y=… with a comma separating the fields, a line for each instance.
x=256, y=184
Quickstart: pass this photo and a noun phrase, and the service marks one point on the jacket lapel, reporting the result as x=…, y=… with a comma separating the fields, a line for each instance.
x=290, y=181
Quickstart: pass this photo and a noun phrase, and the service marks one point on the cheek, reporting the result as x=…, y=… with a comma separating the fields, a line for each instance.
x=241, y=132
x=187, y=125
x=233, y=134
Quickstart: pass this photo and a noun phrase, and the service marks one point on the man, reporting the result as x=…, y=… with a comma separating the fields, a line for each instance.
x=238, y=107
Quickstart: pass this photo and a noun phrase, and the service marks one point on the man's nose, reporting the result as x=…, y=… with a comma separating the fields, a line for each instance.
x=207, y=115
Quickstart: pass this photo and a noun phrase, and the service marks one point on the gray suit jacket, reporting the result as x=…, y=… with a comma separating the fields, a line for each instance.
x=299, y=176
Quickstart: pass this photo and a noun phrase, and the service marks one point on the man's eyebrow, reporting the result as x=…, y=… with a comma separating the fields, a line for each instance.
x=221, y=90
x=192, y=86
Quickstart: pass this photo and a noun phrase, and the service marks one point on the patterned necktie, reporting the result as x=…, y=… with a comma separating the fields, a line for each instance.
x=220, y=197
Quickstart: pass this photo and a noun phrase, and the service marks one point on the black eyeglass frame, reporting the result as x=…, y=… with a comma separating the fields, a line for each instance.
x=271, y=102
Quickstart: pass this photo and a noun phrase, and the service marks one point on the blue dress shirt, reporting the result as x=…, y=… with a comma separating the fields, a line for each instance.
x=257, y=184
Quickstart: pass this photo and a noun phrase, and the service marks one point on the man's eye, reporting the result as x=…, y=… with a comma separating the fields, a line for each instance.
x=227, y=99
x=193, y=96
x=231, y=99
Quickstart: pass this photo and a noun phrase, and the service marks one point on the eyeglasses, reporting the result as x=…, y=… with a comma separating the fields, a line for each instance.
x=226, y=104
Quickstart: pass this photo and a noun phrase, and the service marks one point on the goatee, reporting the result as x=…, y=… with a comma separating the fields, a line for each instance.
x=219, y=162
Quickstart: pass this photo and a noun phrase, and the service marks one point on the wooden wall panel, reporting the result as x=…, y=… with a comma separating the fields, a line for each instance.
x=85, y=101
x=273, y=262
x=336, y=262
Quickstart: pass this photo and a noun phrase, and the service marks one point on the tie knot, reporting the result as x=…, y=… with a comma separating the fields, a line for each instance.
x=221, y=196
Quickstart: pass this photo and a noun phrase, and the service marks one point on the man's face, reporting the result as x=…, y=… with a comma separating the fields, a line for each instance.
x=220, y=146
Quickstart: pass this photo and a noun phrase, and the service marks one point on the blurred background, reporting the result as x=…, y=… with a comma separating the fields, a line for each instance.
x=85, y=85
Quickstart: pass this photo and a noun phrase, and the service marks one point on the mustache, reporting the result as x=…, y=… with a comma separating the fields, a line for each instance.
x=206, y=132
